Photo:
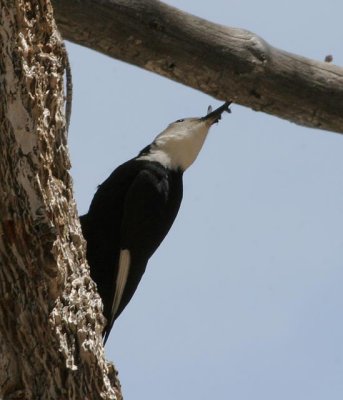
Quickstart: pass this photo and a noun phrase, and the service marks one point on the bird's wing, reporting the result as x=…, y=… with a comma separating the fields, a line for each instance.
x=142, y=229
x=146, y=207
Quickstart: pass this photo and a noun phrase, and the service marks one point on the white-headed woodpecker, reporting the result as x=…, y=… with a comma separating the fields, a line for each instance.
x=134, y=208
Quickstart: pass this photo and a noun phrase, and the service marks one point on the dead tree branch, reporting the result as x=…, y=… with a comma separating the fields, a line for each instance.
x=226, y=63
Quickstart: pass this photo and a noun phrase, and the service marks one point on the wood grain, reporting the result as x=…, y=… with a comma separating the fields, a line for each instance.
x=227, y=63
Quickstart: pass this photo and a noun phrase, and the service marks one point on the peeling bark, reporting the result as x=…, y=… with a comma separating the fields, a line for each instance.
x=50, y=313
x=226, y=63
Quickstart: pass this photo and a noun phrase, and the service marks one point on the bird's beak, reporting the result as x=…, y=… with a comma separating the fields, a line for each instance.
x=214, y=116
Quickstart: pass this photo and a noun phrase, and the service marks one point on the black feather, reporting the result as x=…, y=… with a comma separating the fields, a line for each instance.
x=133, y=209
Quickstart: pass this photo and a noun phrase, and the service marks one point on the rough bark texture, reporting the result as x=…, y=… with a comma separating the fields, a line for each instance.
x=224, y=62
x=50, y=313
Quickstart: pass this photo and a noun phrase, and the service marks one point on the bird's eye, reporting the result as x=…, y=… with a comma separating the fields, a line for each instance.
x=180, y=120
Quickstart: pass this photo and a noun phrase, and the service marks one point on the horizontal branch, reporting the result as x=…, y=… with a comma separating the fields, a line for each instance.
x=226, y=63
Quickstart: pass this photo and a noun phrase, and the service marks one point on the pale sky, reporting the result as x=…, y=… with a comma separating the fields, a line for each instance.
x=243, y=300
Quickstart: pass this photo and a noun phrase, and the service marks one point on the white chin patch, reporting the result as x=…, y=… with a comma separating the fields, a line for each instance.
x=123, y=273
x=177, y=147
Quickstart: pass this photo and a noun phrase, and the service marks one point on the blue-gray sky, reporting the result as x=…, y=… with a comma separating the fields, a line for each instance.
x=243, y=300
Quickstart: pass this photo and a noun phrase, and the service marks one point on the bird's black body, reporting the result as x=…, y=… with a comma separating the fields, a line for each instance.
x=133, y=209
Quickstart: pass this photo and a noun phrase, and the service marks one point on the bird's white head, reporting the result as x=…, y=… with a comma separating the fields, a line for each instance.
x=179, y=144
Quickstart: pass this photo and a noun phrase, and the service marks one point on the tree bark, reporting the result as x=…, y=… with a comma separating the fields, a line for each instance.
x=50, y=313
x=226, y=63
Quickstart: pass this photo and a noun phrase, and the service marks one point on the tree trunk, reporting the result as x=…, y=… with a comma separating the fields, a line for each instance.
x=226, y=63
x=50, y=313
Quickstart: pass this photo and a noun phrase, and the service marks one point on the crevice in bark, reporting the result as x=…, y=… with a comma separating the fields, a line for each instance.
x=51, y=315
